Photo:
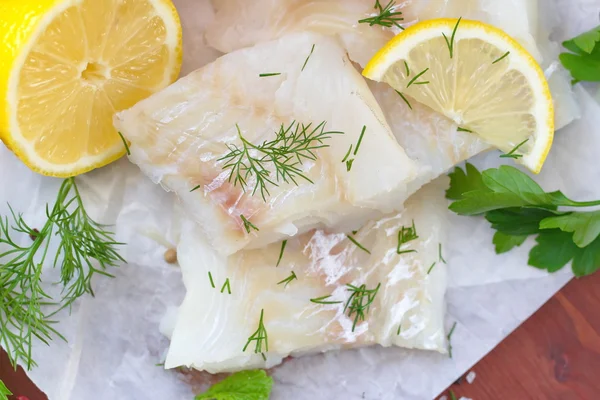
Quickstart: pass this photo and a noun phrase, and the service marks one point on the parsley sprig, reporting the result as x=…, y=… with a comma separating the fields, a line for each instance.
x=85, y=249
x=517, y=207
x=584, y=60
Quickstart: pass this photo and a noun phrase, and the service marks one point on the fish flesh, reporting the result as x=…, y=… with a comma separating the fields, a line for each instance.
x=246, y=311
x=240, y=23
x=178, y=138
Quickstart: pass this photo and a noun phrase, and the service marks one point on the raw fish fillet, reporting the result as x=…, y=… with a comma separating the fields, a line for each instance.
x=240, y=23
x=212, y=327
x=178, y=135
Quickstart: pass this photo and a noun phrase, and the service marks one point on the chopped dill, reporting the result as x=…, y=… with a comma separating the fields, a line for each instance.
x=501, y=58
x=248, y=225
x=226, y=285
x=323, y=300
x=413, y=80
x=450, y=43
x=511, y=154
x=360, y=246
x=288, y=279
x=387, y=17
x=310, y=54
x=260, y=337
x=269, y=74
x=405, y=99
x=360, y=301
x=283, y=244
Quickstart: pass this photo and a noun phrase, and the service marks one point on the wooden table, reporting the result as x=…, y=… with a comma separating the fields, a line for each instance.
x=555, y=355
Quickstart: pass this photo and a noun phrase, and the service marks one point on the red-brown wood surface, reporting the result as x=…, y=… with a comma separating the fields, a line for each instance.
x=555, y=355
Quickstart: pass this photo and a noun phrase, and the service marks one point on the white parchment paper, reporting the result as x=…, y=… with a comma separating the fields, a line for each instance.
x=113, y=339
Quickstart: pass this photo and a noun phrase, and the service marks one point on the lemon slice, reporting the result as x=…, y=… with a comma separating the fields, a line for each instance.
x=479, y=77
x=66, y=66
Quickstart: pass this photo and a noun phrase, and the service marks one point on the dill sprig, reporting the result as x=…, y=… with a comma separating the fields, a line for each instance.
x=440, y=257
x=512, y=153
x=307, y=58
x=413, y=81
x=450, y=43
x=284, y=154
x=323, y=300
x=360, y=246
x=431, y=267
x=405, y=235
x=449, y=337
x=405, y=99
x=227, y=286
x=461, y=129
x=387, y=17
x=501, y=58
x=210, y=278
x=125, y=143
x=349, y=161
x=359, y=302
x=85, y=248
x=283, y=244
x=288, y=279
x=266, y=74
x=248, y=225
x=260, y=337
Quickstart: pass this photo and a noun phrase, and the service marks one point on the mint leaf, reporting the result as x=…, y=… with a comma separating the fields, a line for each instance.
x=244, y=385
x=554, y=250
x=518, y=221
x=464, y=181
x=587, y=260
x=587, y=40
x=503, y=242
x=584, y=225
x=4, y=392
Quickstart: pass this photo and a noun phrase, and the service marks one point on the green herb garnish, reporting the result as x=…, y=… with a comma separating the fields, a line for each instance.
x=450, y=43
x=405, y=235
x=440, y=257
x=195, y=188
x=85, y=248
x=517, y=207
x=260, y=337
x=323, y=300
x=243, y=385
x=288, y=279
x=387, y=16
x=360, y=246
x=431, y=268
x=405, y=99
x=584, y=61
x=417, y=76
x=227, y=286
x=212, y=283
x=309, y=54
x=501, y=58
x=248, y=225
x=125, y=143
x=450, y=339
x=359, y=301
x=349, y=161
x=460, y=129
x=4, y=392
x=283, y=244
x=512, y=153
x=269, y=74
x=281, y=156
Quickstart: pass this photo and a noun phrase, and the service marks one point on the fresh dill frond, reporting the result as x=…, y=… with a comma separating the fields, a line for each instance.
x=387, y=17
x=460, y=129
x=450, y=43
x=501, y=58
x=307, y=58
x=125, y=143
x=269, y=74
x=282, y=156
x=283, y=244
x=360, y=246
x=431, y=268
x=85, y=249
x=405, y=235
x=227, y=286
x=350, y=161
x=405, y=99
x=413, y=80
x=512, y=153
x=449, y=337
x=323, y=300
x=440, y=257
x=288, y=279
x=248, y=225
x=260, y=337
x=212, y=283
x=359, y=302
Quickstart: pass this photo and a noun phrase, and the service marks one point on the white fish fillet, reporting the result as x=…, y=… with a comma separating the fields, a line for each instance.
x=178, y=135
x=212, y=327
x=240, y=23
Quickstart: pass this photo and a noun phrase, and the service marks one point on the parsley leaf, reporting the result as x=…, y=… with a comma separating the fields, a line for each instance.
x=584, y=64
x=4, y=392
x=503, y=242
x=585, y=225
x=518, y=221
x=517, y=207
x=464, y=181
x=243, y=385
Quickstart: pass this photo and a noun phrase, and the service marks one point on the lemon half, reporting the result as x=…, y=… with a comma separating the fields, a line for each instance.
x=478, y=76
x=66, y=66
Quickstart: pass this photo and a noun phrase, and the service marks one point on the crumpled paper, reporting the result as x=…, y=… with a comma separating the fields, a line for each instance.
x=113, y=342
